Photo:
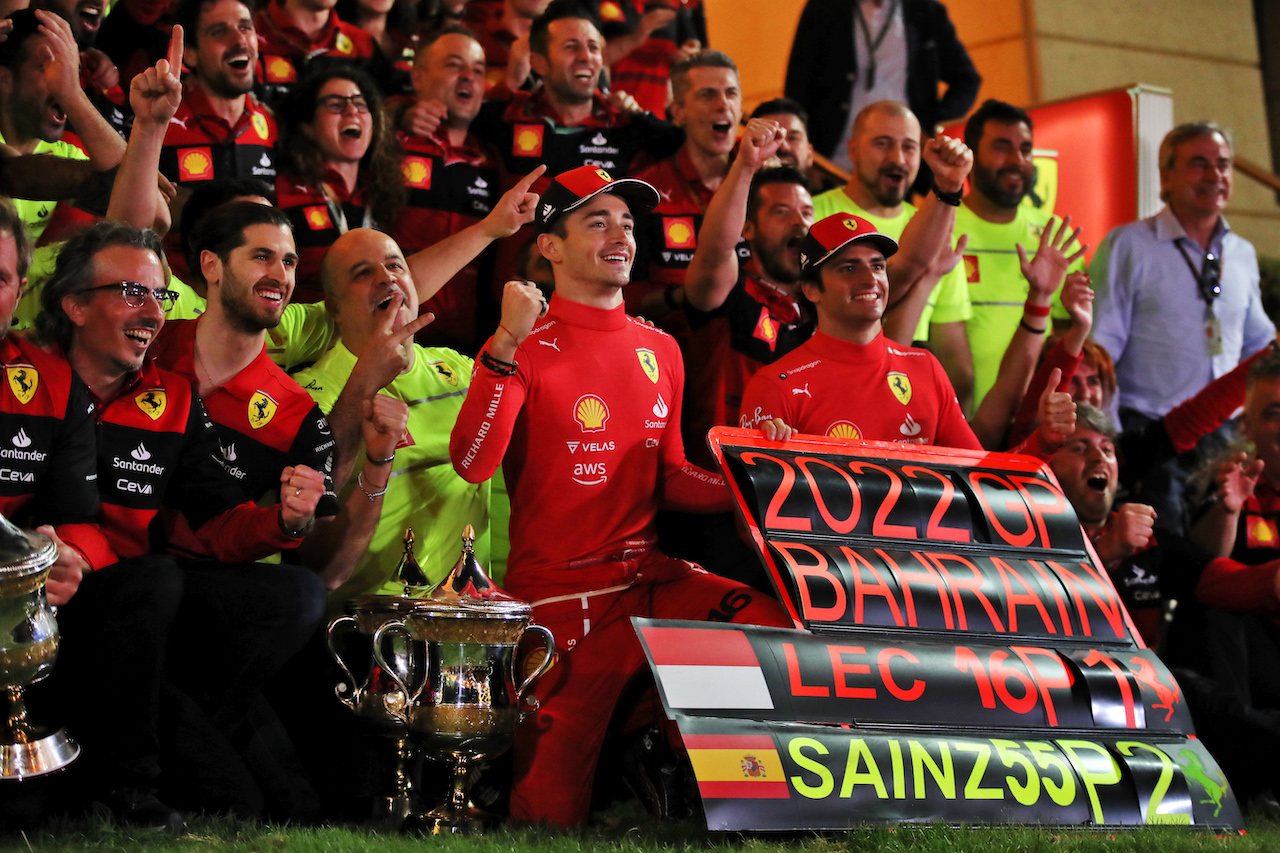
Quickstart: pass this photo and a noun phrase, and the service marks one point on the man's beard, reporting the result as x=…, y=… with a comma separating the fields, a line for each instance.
x=988, y=183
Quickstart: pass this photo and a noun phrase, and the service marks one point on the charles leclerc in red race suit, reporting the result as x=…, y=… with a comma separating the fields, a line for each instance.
x=586, y=427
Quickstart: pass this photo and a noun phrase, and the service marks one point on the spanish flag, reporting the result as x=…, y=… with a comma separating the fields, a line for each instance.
x=737, y=767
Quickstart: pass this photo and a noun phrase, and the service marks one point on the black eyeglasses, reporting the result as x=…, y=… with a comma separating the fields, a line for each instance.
x=337, y=104
x=135, y=294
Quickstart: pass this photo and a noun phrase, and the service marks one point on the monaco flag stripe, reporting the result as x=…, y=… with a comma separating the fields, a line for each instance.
x=736, y=687
x=699, y=647
x=701, y=668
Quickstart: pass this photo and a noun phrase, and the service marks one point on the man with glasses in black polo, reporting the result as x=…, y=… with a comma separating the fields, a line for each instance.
x=1178, y=300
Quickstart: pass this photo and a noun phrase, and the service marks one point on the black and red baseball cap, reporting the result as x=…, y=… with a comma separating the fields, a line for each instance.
x=574, y=188
x=831, y=234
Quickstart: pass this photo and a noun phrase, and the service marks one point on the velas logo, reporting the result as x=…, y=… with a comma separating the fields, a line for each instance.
x=679, y=232
x=317, y=217
x=844, y=429
x=591, y=413
x=262, y=408
x=280, y=70
x=526, y=140
x=649, y=362
x=900, y=385
x=417, y=172
x=195, y=164
x=259, y=122
x=23, y=381
x=152, y=402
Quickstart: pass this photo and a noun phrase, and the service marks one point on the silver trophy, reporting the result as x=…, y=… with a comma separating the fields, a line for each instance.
x=463, y=706
x=373, y=698
x=28, y=647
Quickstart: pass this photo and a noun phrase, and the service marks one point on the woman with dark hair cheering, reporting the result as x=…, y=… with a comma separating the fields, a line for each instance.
x=340, y=166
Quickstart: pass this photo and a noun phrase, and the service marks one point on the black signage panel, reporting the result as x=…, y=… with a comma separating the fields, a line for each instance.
x=873, y=677
x=968, y=658
x=761, y=777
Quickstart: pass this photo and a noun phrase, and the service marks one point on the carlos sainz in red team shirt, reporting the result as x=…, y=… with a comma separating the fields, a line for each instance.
x=848, y=381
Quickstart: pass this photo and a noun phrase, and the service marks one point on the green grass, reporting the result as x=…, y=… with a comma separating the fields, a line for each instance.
x=624, y=830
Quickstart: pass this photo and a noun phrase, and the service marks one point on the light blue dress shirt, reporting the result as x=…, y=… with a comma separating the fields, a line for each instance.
x=1150, y=316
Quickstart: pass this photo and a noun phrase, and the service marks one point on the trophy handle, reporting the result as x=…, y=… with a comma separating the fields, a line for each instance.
x=340, y=626
x=549, y=646
x=396, y=626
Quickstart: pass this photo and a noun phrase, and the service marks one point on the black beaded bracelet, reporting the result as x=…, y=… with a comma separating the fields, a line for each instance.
x=502, y=368
x=1030, y=328
x=952, y=199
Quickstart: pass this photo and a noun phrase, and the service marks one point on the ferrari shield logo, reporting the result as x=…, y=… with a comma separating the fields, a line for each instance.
x=23, y=381
x=445, y=371
x=900, y=385
x=261, y=410
x=649, y=362
x=152, y=403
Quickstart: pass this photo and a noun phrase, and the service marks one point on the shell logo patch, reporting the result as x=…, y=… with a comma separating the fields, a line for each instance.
x=152, y=403
x=280, y=70
x=679, y=232
x=900, y=385
x=844, y=429
x=767, y=329
x=317, y=217
x=417, y=172
x=649, y=362
x=195, y=164
x=1262, y=533
x=611, y=11
x=971, y=272
x=23, y=381
x=591, y=413
x=261, y=410
x=526, y=140
x=259, y=122
x=445, y=371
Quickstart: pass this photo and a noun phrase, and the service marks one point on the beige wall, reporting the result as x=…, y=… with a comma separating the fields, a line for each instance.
x=1032, y=51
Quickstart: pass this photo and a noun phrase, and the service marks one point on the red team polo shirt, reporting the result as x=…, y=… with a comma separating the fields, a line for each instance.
x=200, y=146
x=876, y=392
x=48, y=463
x=450, y=188
x=265, y=423
x=285, y=53
x=317, y=221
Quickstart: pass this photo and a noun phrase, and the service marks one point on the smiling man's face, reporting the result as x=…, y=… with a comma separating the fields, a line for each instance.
x=1087, y=470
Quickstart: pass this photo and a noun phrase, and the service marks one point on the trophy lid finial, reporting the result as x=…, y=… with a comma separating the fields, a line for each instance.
x=409, y=572
x=468, y=581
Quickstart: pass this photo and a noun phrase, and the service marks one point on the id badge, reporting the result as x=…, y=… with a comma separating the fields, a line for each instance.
x=1212, y=334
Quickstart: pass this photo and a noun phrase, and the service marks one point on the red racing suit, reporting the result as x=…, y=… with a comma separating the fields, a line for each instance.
x=587, y=432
